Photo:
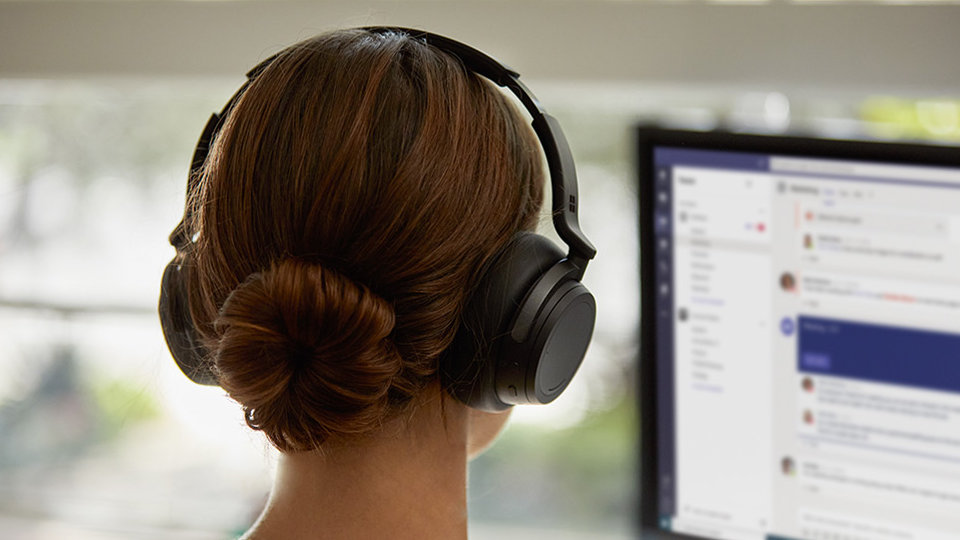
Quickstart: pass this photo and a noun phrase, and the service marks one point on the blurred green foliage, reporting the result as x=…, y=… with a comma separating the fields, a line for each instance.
x=121, y=404
x=922, y=119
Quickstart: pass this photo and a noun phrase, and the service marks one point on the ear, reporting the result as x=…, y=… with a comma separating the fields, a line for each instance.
x=483, y=429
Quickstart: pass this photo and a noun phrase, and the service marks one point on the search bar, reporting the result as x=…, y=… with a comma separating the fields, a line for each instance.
x=829, y=167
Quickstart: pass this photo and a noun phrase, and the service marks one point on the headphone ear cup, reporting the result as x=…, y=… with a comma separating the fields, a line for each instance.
x=545, y=353
x=469, y=366
x=178, y=329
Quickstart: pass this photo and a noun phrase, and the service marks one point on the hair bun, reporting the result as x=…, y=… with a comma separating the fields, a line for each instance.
x=307, y=352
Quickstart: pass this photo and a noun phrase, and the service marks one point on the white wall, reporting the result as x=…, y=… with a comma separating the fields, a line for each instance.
x=873, y=46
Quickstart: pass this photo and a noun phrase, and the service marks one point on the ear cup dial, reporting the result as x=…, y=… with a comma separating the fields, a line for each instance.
x=536, y=364
x=561, y=342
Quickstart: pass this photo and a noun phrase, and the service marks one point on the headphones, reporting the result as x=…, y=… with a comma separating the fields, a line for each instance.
x=529, y=321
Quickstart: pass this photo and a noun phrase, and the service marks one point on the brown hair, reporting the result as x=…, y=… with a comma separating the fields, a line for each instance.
x=352, y=198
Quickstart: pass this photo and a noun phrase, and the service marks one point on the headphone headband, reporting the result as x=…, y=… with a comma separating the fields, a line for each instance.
x=563, y=174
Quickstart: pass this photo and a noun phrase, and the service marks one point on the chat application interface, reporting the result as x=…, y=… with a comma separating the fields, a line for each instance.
x=808, y=347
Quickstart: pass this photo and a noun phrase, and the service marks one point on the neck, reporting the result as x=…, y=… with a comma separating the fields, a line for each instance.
x=408, y=480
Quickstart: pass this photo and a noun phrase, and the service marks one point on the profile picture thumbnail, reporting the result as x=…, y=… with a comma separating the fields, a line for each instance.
x=807, y=384
x=788, y=282
x=787, y=466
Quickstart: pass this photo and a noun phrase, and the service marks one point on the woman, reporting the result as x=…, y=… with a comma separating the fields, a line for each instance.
x=358, y=188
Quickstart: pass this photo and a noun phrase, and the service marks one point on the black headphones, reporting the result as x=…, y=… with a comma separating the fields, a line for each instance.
x=529, y=321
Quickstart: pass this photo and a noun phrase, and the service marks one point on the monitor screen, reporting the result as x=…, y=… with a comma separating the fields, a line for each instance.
x=800, y=366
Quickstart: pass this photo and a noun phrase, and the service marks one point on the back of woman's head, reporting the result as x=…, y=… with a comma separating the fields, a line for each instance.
x=351, y=199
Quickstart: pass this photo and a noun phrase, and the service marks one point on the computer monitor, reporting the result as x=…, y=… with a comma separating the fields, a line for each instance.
x=800, y=340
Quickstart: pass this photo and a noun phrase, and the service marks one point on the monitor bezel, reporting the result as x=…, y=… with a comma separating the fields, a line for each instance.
x=646, y=138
